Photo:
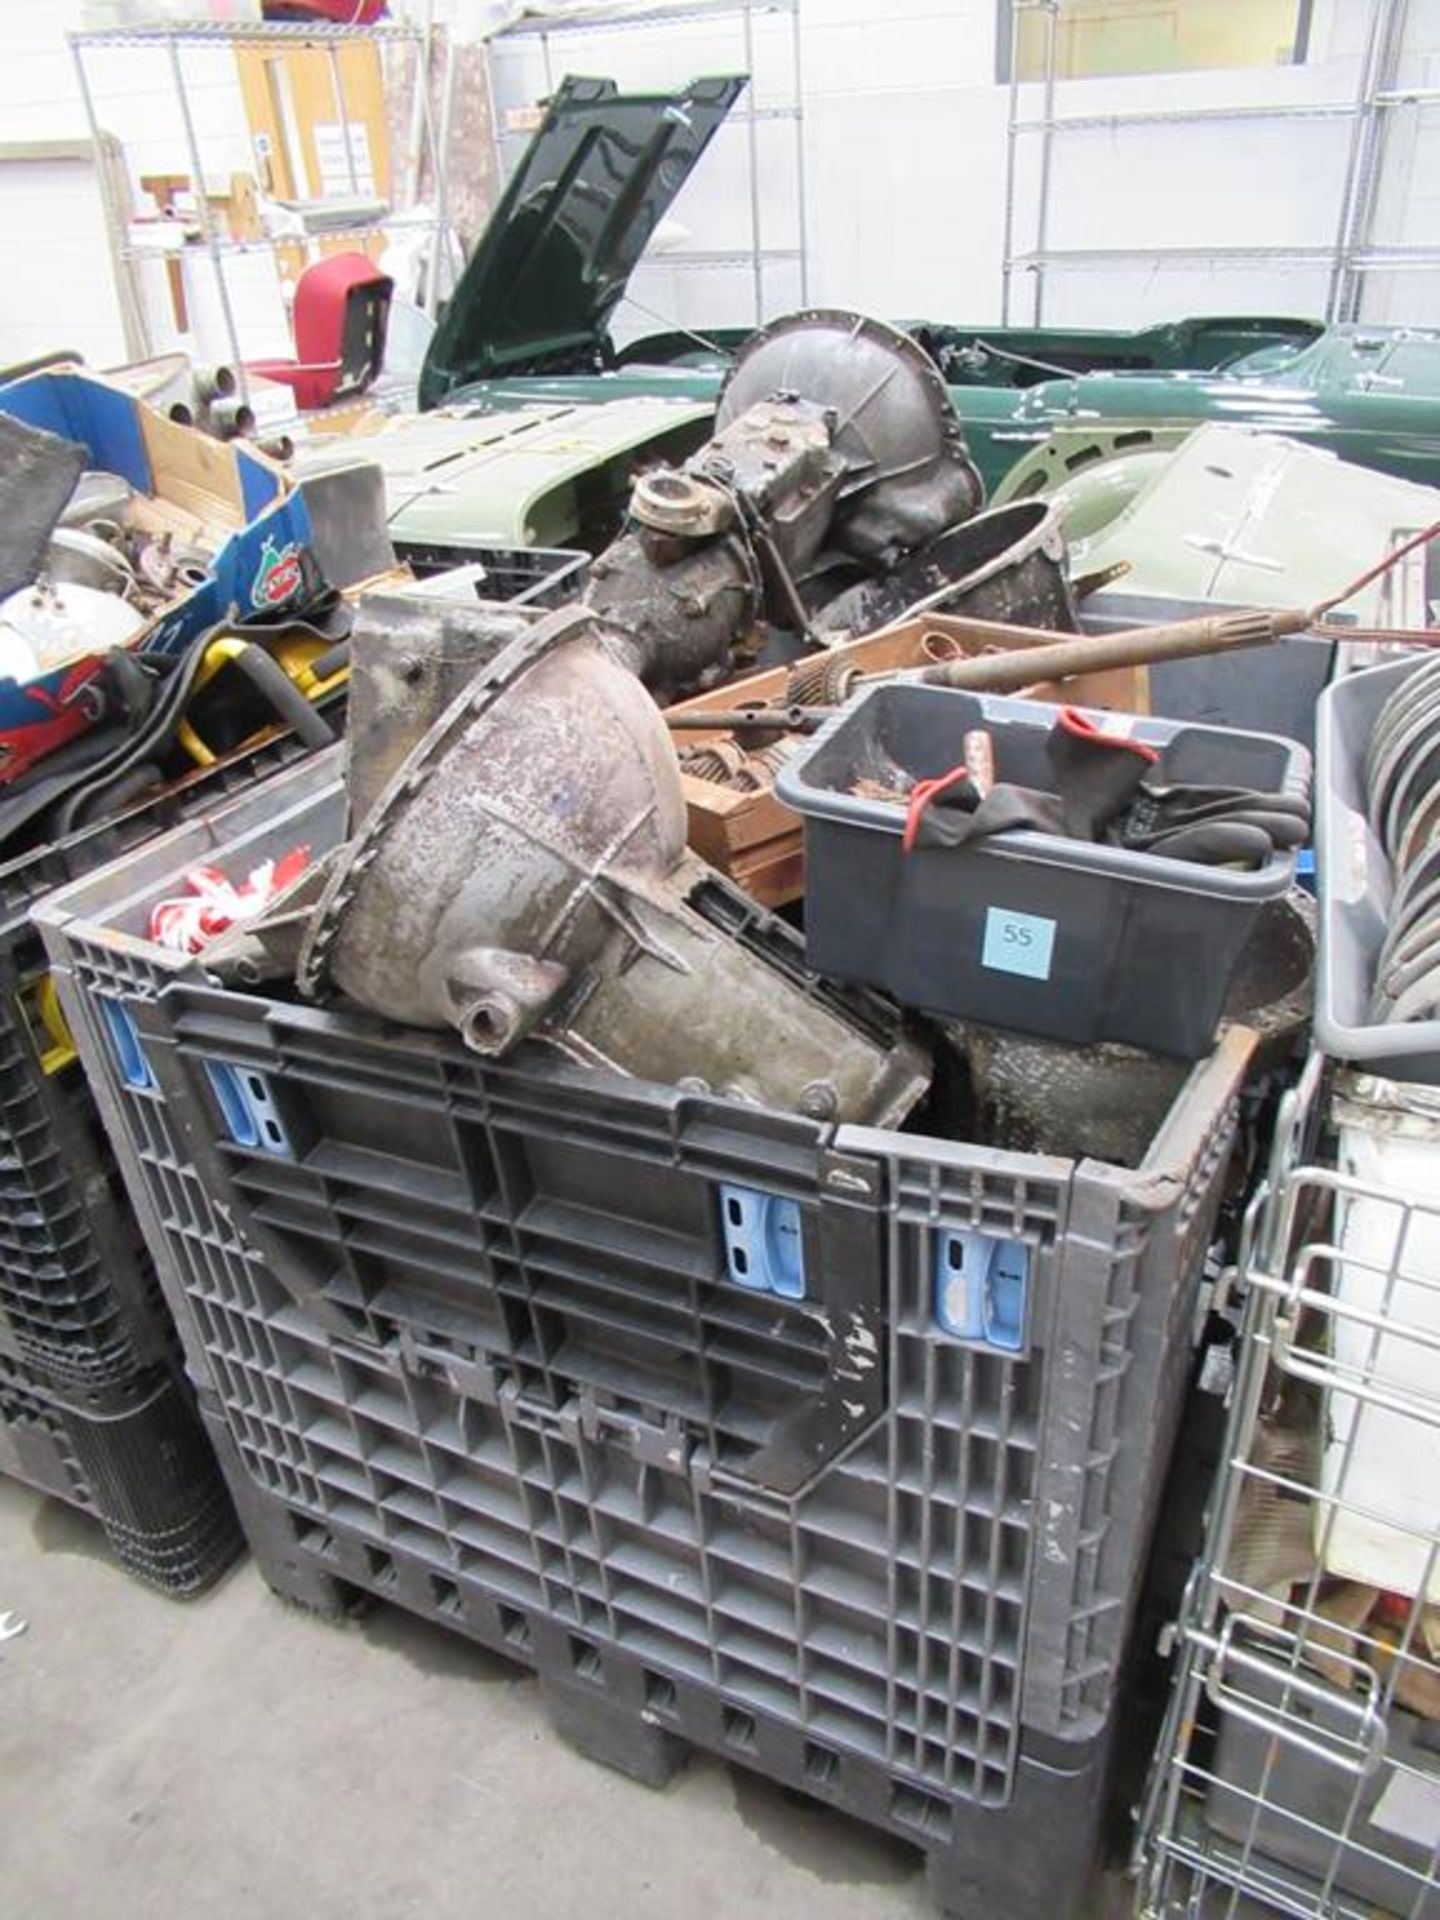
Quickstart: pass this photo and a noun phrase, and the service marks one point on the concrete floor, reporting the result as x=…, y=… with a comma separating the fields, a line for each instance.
x=237, y=1756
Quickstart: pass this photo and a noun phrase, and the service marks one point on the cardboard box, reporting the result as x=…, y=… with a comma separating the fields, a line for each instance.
x=265, y=546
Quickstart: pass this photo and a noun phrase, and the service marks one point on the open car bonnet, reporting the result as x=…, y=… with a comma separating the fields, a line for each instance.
x=579, y=210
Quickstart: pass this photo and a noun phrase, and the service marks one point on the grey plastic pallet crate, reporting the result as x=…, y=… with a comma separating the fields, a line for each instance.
x=960, y=1576
x=1263, y=689
x=1030, y=1859
x=93, y=1410
x=259, y=821
x=517, y=576
x=136, y=1459
x=488, y=1322
x=78, y=1298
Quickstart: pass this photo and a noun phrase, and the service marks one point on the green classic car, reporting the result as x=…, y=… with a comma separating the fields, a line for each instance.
x=513, y=448
x=539, y=293
x=1369, y=394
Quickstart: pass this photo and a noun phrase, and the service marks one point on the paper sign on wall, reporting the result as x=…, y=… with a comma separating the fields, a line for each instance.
x=335, y=168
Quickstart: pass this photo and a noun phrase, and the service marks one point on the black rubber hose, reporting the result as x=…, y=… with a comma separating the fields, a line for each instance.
x=102, y=801
x=269, y=678
x=58, y=782
x=144, y=735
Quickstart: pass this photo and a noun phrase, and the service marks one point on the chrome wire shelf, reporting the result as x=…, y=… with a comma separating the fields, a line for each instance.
x=612, y=19
x=1099, y=257
x=1188, y=116
x=174, y=40
x=241, y=33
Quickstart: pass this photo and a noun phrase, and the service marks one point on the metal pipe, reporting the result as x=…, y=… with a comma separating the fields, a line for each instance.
x=111, y=181
x=1340, y=252
x=441, y=164
x=1407, y=97
x=415, y=138
x=1012, y=132
x=1037, y=656
x=751, y=720
x=1357, y=199
x=994, y=636
x=1140, y=646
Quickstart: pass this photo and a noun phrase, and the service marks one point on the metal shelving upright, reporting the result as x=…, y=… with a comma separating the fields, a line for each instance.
x=1357, y=253
x=1350, y=256
x=681, y=13
x=173, y=39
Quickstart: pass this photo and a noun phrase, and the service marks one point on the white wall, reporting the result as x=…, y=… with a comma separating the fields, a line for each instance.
x=51, y=219
x=904, y=147
x=38, y=96
x=904, y=129
x=51, y=214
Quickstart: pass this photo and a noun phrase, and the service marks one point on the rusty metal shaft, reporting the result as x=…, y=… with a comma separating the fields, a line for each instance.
x=1137, y=647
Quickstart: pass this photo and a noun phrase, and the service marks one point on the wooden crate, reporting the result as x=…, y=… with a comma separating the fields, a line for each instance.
x=755, y=839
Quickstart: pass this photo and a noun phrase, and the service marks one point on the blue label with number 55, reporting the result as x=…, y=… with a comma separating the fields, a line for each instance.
x=1022, y=943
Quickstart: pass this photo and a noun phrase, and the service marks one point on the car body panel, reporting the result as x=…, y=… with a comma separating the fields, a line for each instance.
x=1376, y=405
x=541, y=286
x=1250, y=519
x=1024, y=356
x=538, y=474
x=1120, y=450
x=1371, y=395
x=576, y=214
x=976, y=356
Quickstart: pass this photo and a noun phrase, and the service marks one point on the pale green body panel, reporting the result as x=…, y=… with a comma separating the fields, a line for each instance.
x=532, y=475
x=1250, y=519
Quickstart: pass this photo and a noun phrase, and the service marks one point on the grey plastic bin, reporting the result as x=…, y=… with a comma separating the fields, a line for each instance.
x=1027, y=931
x=1356, y=885
x=1262, y=689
